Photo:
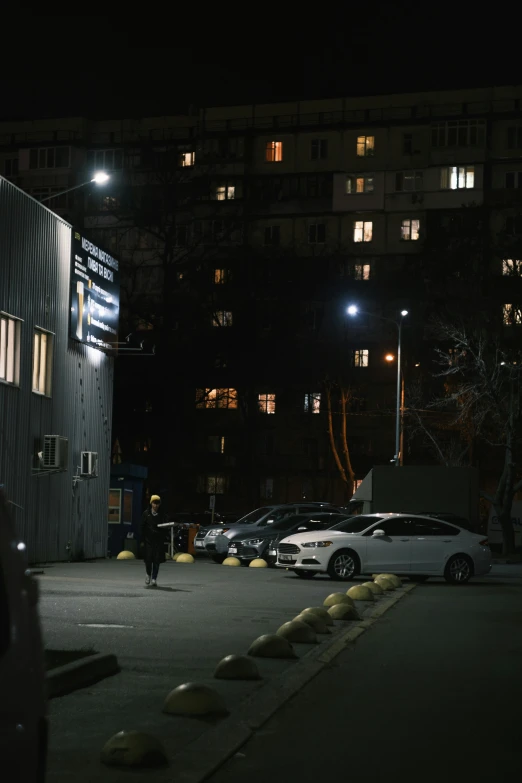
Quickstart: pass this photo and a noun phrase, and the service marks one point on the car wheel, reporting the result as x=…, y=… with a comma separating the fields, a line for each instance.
x=305, y=574
x=459, y=569
x=218, y=558
x=418, y=578
x=344, y=565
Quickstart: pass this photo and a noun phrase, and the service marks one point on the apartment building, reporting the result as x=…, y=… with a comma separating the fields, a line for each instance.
x=245, y=232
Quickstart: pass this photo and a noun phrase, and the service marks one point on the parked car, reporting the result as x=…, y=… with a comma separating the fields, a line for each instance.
x=23, y=714
x=218, y=540
x=405, y=544
x=263, y=541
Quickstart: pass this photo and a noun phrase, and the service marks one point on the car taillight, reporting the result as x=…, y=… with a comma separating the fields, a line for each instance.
x=484, y=542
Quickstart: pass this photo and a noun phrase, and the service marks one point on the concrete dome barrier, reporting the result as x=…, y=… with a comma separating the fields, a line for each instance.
x=297, y=631
x=317, y=623
x=185, y=558
x=237, y=667
x=271, y=645
x=231, y=561
x=321, y=612
x=360, y=593
x=374, y=587
x=126, y=555
x=176, y=555
x=258, y=562
x=194, y=699
x=395, y=580
x=384, y=582
x=133, y=749
x=343, y=612
x=337, y=598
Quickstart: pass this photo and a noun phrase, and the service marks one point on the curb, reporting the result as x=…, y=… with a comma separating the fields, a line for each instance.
x=202, y=757
x=78, y=674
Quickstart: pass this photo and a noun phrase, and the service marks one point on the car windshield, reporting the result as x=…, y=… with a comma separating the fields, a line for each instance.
x=355, y=524
x=255, y=516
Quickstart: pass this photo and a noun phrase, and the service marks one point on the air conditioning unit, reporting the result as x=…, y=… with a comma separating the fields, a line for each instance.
x=55, y=452
x=89, y=464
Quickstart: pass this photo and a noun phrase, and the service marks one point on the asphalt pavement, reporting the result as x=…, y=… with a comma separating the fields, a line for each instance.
x=163, y=637
x=431, y=692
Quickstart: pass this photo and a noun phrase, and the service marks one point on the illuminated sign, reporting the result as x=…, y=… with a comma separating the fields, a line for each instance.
x=95, y=294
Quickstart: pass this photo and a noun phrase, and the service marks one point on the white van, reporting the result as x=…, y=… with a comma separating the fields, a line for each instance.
x=23, y=720
x=495, y=530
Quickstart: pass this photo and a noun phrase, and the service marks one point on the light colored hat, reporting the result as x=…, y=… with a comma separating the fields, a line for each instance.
x=155, y=499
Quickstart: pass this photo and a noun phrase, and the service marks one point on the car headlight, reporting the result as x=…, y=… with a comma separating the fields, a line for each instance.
x=254, y=541
x=313, y=544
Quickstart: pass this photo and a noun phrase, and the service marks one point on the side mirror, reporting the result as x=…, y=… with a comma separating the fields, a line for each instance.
x=378, y=534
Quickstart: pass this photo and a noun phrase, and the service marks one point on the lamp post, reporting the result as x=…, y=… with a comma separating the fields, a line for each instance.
x=99, y=178
x=354, y=310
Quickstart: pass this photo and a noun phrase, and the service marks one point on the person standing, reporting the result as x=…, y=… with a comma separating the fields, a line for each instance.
x=153, y=539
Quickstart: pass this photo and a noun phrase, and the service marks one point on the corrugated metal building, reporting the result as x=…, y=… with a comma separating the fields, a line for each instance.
x=50, y=384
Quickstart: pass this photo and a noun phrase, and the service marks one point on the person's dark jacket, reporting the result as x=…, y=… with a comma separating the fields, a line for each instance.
x=154, y=537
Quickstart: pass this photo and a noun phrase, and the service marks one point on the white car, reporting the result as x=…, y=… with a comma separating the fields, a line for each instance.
x=405, y=544
x=23, y=710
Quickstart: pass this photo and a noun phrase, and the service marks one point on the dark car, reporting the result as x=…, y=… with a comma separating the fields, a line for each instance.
x=218, y=540
x=262, y=541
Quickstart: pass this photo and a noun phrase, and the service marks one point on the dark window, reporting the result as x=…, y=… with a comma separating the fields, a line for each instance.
x=514, y=140
x=11, y=167
x=514, y=179
x=407, y=143
x=430, y=527
x=318, y=149
x=514, y=225
x=399, y=526
x=272, y=235
x=356, y=524
x=317, y=233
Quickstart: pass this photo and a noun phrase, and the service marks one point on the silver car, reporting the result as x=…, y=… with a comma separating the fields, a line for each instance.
x=217, y=542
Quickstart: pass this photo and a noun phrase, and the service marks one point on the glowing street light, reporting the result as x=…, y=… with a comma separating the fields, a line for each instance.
x=100, y=178
x=354, y=310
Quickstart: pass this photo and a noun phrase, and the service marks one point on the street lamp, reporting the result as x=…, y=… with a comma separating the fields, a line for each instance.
x=354, y=310
x=100, y=178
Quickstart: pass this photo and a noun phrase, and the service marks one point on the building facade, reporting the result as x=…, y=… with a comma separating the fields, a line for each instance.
x=246, y=231
x=55, y=392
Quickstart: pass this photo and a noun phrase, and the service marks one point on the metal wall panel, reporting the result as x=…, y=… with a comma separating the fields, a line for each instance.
x=56, y=516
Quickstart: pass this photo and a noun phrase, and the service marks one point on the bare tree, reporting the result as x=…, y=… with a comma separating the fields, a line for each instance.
x=479, y=403
x=337, y=410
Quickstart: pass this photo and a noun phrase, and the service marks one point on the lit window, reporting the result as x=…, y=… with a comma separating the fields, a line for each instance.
x=267, y=403
x=317, y=234
x=363, y=184
x=318, y=149
x=216, y=398
x=410, y=229
x=407, y=181
x=272, y=235
x=222, y=318
x=274, y=151
x=361, y=271
x=362, y=231
x=225, y=193
x=215, y=485
x=365, y=146
x=360, y=357
x=216, y=444
x=457, y=177
x=312, y=402
x=512, y=315
x=9, y=349
x=221, y=276
x=187, y=159
x=512, y=267
x=42, y=362
x=266, y=488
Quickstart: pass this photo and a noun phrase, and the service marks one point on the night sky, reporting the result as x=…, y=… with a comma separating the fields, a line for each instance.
x=104, y=65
